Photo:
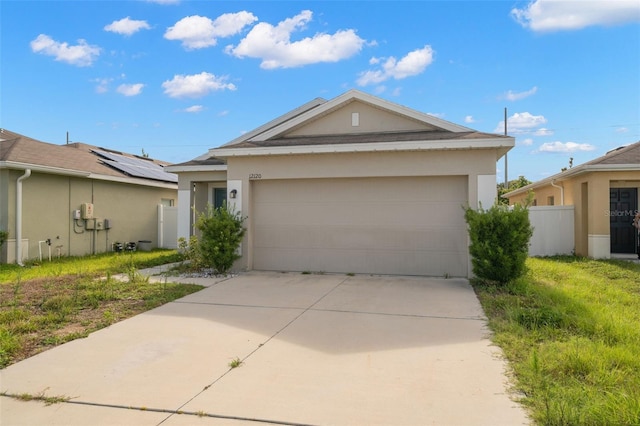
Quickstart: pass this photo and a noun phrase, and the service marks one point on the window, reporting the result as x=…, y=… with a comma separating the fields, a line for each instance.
x=550, y=201
x=167, y=202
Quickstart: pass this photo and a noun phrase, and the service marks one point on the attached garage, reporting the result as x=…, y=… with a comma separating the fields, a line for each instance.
x=390, y=225
x=355, y=184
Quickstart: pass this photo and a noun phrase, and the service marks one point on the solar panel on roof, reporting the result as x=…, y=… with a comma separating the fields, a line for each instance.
x=136, y=167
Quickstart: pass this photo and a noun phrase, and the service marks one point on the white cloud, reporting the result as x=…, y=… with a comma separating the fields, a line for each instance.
x=164, y=1
x=413, y=63
x=223, y=113
x=195, y=86
x=521, y=122
x=82, y=54
x=197, y=32
x=565, y=147
x=194, y=108
x=621, y=130
x=130, y=89
x=437, y=114
x=516, y=96
x=273, y=45
x=469, y=119
x=553, y=15
x=543, y=132
x=127, y=26
x=527, y=142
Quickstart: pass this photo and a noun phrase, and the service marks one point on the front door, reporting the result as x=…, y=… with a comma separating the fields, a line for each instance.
x=623, y=203
x=219, y=197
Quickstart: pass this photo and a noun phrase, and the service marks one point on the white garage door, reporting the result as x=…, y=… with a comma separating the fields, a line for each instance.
x=408, y=226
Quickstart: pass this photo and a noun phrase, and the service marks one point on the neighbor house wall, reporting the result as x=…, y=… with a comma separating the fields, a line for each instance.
x=344, y=165
x=49, y=200
x=589, y=193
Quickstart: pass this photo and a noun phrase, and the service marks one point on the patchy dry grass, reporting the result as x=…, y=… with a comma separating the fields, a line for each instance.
x=45, y=305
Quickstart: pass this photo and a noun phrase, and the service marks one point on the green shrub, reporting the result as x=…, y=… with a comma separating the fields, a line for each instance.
x=190, y=251
x=499, y=242
x=222, y=234
x=3, y=237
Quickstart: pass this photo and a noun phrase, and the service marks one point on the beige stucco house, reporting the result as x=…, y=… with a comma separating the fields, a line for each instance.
x=352, y=184
x=76, y=199
x=604, y=193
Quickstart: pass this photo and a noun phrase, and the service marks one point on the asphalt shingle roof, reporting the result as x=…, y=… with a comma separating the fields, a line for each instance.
x=75, y=157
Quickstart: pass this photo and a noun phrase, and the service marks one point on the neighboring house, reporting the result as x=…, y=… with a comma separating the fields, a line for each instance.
x=353, y=184
x=604, y=193
x=48, y=194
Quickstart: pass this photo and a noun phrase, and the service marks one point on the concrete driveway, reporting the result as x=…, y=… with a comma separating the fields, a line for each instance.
x=315, y=350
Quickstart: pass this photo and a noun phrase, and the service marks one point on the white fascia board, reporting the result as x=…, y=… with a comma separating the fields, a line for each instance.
x=277, y=121
x=576, y=171
x=42, y=169
x=196, y=168
x=368, y=147
x=357, y=95
x=135, y=181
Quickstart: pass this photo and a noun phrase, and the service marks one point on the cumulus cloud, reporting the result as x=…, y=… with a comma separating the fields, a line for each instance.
x=195, y=86
x=130, y=89
x=469, y=119
x=194, y=109
x=553, y=15
x=516, y=96
x=197, y=32
x=527, y=142
x=82, y=54
x=413, y=63
x=565, y=147
x=273, y=45
x=127, y=26
x=521, y=122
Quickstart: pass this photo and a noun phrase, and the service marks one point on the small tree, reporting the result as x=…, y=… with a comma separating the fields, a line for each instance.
x=499, y=242
x=222, y=234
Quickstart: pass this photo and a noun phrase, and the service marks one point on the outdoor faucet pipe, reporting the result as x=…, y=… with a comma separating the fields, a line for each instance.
x=561, y=188
x=26, y=175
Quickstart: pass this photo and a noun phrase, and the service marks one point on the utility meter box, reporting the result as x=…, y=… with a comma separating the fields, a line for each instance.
x=99, y=224
x=90, y=224
x=87, y=210
x=107, y=224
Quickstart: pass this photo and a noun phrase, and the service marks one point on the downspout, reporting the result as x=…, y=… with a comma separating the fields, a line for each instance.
x=561, y=188
x=26, y=175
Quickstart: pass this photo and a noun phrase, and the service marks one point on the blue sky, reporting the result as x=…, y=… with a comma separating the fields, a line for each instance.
x=175, y=78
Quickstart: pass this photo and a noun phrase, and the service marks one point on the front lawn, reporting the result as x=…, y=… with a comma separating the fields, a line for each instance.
x=46, y=304
x=571, y=331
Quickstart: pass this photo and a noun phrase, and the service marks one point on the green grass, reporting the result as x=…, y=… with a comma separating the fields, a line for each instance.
x=571, y=331
x=47, y=304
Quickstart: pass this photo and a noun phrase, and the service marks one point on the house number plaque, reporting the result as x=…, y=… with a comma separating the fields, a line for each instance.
x=255, y=176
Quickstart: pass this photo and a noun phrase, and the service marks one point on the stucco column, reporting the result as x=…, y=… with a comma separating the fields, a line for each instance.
x=598, y=226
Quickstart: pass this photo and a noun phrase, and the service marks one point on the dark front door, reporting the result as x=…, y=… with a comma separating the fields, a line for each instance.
x=623, y=203
x=219, y=197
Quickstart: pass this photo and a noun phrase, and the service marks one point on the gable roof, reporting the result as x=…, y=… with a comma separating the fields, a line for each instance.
x=75, y=159
x=275, y=137
x=620, y=159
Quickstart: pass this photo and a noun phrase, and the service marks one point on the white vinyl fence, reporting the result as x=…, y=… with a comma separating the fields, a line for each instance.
x=167, y=227
x=553, y=231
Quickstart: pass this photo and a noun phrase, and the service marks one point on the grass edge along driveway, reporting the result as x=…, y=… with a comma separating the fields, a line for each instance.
x=46, y=304
x=570, y=329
